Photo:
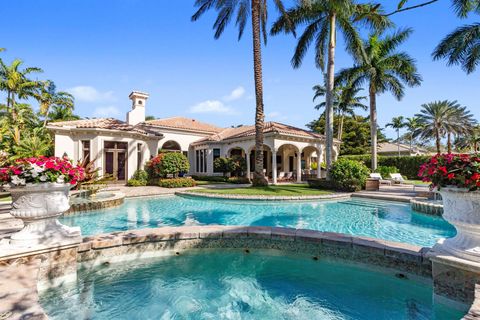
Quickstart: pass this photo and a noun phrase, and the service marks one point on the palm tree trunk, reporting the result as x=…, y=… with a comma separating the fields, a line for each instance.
x=449, y=142
x=340, y=127
x=437, y=141
x=373, y=125
x=16, y=131
x=329, y=95
x=259, y=178
x=411, y=142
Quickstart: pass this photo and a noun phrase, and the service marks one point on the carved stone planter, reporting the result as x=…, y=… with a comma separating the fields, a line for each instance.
x=462, y=209
x=39, y=206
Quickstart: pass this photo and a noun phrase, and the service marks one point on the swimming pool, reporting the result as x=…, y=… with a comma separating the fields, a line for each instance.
x=232, y=285
x=378, y=219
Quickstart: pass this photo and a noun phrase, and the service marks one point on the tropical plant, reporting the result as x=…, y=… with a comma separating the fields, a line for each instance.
x=412, y=126
x=443, y=118
x=323, y=19
x=49, y=98
x=397, y=124
x=349, y=175
x=15, y=82
x=345, y=101
x=34, y=143
x=59, y=113
x=257, y=11
x=470, y=141
x=383, y=69
x=458, y=170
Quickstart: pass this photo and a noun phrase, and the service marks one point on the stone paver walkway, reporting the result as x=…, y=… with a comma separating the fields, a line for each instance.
x=403, y=193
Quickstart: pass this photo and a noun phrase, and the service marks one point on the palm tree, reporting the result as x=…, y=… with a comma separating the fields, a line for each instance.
x=242, y=9
x=412, y=125
x=35, y=143
x=462, y=121
x=15, y=82
x=345, y=101
x=397, y=124
x=48, y=97
x=322, y=19
x=469, y=141
x=59, y=113
x=384, y=70
x=462, y=46
x=440, y=118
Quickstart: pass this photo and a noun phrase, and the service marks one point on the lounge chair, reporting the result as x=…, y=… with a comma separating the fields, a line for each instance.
x=397, y=178
x=378, y=176
x=281, y=176
x=289, y=176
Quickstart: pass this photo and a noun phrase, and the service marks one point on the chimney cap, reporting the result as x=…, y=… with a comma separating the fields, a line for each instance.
x=138, y=94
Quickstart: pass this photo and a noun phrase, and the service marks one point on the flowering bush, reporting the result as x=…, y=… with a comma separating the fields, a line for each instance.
x=167, y=163
x=40, y=170
x=458, y=170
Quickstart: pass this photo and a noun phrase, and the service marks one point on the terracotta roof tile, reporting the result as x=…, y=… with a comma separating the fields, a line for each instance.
x=184, y=123
x=101, y=123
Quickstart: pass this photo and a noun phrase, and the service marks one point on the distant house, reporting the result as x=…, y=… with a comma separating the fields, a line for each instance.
x=119, y=148
x=390, y=149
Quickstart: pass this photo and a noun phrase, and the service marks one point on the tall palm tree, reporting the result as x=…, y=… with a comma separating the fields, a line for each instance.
x=48, y=97
x=15, y=82
x=59, y=113
x=469, y=141
x=243, y=9
x=462, y=46
x=412, y=125
x=345, y=101
x=438, y=119
x=397, y=124
x=383, y=69
x=462, y=121
x=323, y=19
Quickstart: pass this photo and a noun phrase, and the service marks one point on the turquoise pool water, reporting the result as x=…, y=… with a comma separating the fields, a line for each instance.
x=378, y=219
x=232, y=285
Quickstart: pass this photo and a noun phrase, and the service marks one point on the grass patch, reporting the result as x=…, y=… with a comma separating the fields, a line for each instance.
x=279, y=190
x=417, y=182
x=205, y=183
x=5, y=198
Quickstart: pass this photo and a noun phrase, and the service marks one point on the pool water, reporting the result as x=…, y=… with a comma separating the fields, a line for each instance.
x=378, y=219
x=233, y=285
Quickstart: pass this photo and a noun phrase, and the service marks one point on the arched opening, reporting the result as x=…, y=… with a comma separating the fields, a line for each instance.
x=267, y=160
x=311, y=162
x=170, y=146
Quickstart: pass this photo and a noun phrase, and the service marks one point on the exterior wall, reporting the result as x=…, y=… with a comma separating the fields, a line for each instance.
x=183, y=139
x=65, y=144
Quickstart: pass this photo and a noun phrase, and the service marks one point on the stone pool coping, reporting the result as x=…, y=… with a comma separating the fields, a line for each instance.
x=427, y=206
x=333, y=196
x=42, y=269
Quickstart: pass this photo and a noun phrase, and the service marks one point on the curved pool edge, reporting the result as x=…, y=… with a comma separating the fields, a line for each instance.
x=333, y=196
x=42, y=269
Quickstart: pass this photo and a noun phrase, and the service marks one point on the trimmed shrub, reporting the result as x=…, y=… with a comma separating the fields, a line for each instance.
x=407, y=166
x=136, y=183
x=140, y=175
x=177, y=183
x=386, y=170
x=349, y=175
x=239, y=166
x=223, y=165
x=167, y=163
x=238, y=180
x=210, y=178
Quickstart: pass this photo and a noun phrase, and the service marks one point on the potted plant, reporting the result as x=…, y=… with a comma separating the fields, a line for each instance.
x=40, y=194
x=457, y=178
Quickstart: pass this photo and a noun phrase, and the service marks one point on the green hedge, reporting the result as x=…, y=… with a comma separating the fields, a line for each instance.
x=136, y=183
x=177, y=183
x=210, y=178
x=408, y=166
x=238, y=180
x=349, y=175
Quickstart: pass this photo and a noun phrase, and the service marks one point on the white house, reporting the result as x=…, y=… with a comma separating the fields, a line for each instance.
x=120, y=148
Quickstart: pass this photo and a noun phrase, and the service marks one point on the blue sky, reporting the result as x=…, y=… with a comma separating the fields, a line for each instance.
x=102, y=50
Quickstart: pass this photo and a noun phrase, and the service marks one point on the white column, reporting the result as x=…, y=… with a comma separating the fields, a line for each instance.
x=299, y=166
x=248, y=164
x=319, y=162
x=274, y=166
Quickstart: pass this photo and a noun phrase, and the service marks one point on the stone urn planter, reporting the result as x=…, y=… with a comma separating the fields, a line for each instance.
x=461, y=208
x=38, y=206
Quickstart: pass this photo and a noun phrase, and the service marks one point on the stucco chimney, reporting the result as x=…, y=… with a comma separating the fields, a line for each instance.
x=137, y=114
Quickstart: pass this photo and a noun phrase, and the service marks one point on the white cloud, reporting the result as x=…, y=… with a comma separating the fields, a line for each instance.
x=236, y=94
x=210, y=106
x=106, y=112
x=275, y=115
x=90, y=94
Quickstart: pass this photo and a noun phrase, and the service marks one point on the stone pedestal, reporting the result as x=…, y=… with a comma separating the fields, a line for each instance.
x=372, y=185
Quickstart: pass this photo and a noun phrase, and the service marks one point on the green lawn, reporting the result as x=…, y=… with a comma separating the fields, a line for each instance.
x=416, y=182
x=204, y=183
x=5, y=198
x=279, y=190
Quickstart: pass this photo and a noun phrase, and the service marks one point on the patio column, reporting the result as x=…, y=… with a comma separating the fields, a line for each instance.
x=299, y=166
x=247, y=155
x=319, y=161
x=274, y=166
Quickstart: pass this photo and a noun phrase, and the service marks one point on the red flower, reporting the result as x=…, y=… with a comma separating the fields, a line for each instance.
x=451, y=176
x=49, y=164
x=443, y=169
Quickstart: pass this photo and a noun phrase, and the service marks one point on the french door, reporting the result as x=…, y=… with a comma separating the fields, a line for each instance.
x=116, y=159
